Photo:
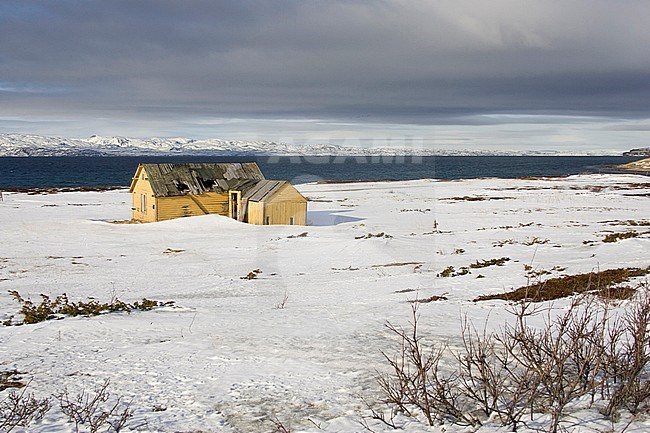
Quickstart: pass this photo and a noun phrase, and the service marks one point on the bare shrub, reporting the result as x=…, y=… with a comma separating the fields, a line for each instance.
x=283, y=302
x=95, y=410
x=564, y=358
x=20, y=409
x=279, y=426
x=491, y=377
x=587, y=350
x=629, y=358
x=416, y=382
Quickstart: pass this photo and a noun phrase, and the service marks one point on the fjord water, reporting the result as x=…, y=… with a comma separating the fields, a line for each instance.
x=31, y=172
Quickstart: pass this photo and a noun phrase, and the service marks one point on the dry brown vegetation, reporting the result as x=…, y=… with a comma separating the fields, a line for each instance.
x=390, y=265
x=90, y=412
x=584, y=355
x=429, y=299
x=560, y=287
x=476, y=198
x=49, y=309
x=492, y=262
x=370, y=235
x=615, y=237
x=635, y=223
x=251, y=275
x=131, y=221
x=10, y=379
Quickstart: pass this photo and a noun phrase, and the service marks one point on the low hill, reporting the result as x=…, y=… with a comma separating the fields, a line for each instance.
x=641, y=165
x=644, y=151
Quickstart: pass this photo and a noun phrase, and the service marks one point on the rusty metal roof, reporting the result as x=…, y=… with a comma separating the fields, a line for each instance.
x=169, y=180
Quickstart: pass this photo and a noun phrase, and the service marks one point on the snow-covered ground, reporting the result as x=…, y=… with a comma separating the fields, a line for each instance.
x=228, y=356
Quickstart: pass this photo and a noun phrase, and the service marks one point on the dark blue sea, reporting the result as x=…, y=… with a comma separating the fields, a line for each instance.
x=117, y=171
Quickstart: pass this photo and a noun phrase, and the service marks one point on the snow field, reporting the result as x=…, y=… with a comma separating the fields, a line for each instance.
x=228, y=356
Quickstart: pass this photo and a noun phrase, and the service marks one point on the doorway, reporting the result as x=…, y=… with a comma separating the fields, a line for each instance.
x=234, y=205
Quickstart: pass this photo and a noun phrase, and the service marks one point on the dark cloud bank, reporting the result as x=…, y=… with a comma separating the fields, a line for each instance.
x=391, y=62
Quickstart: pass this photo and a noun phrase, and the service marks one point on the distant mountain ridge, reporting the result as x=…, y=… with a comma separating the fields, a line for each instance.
x=25, y=145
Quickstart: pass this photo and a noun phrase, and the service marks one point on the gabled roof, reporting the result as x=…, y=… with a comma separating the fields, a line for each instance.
x=169, y=180
x=263, y=189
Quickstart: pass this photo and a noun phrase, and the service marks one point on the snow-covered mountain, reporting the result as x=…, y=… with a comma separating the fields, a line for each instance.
x=35, y=145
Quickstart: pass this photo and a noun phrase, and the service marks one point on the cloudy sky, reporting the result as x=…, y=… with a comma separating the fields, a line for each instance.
x=556, y=75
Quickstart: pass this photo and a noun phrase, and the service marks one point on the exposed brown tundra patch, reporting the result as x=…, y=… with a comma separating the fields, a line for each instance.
x=561, y=287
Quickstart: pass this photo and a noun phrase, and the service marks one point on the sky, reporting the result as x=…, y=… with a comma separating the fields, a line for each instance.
x=544, y=75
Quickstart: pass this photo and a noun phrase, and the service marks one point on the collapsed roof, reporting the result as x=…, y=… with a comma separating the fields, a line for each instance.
x=169, y=180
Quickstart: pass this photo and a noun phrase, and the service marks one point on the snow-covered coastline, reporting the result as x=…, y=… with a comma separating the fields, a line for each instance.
x=229, y=357
x=24, y=145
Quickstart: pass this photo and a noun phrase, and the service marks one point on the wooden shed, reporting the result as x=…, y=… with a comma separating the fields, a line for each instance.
x=237, y=190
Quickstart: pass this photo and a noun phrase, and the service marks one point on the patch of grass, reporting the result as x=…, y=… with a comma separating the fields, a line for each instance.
x=416, y=210
x=618, y=293
x=301, y=235
x=9, y=379
x=131, y=221
x=450, y=271
x=535, y=274
x=251, y=275
x=633, y=223
x=172, y=251
x=390, y=265
x=447, y=272
x=404, y=291
x=49, y=309
x=370, y=235
x=493, y=262
x=429, y=299
x=561, y=287
x=535, y=240
x=349, y=268
x=476, y=198
x=615, y=237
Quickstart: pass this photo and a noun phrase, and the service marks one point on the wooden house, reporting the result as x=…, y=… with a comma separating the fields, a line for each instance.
x=237, y=190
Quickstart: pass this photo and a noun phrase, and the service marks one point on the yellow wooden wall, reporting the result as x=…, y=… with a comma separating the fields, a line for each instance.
x=184, y=206
x=281, y=212
x=255, y=213
x=143, y=186
x=279, y=208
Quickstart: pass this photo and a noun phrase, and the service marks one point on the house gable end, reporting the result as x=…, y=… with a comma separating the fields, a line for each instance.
x=286, y=192
x=136, y=177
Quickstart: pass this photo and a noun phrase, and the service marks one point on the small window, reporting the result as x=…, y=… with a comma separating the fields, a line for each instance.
x=143, y=203
x=268, y=220
x=290, y=221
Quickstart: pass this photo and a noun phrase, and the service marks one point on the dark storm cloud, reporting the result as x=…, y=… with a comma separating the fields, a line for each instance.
x=389, y=61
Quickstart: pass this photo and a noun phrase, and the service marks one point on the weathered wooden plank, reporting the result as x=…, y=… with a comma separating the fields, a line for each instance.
x=180, y=179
